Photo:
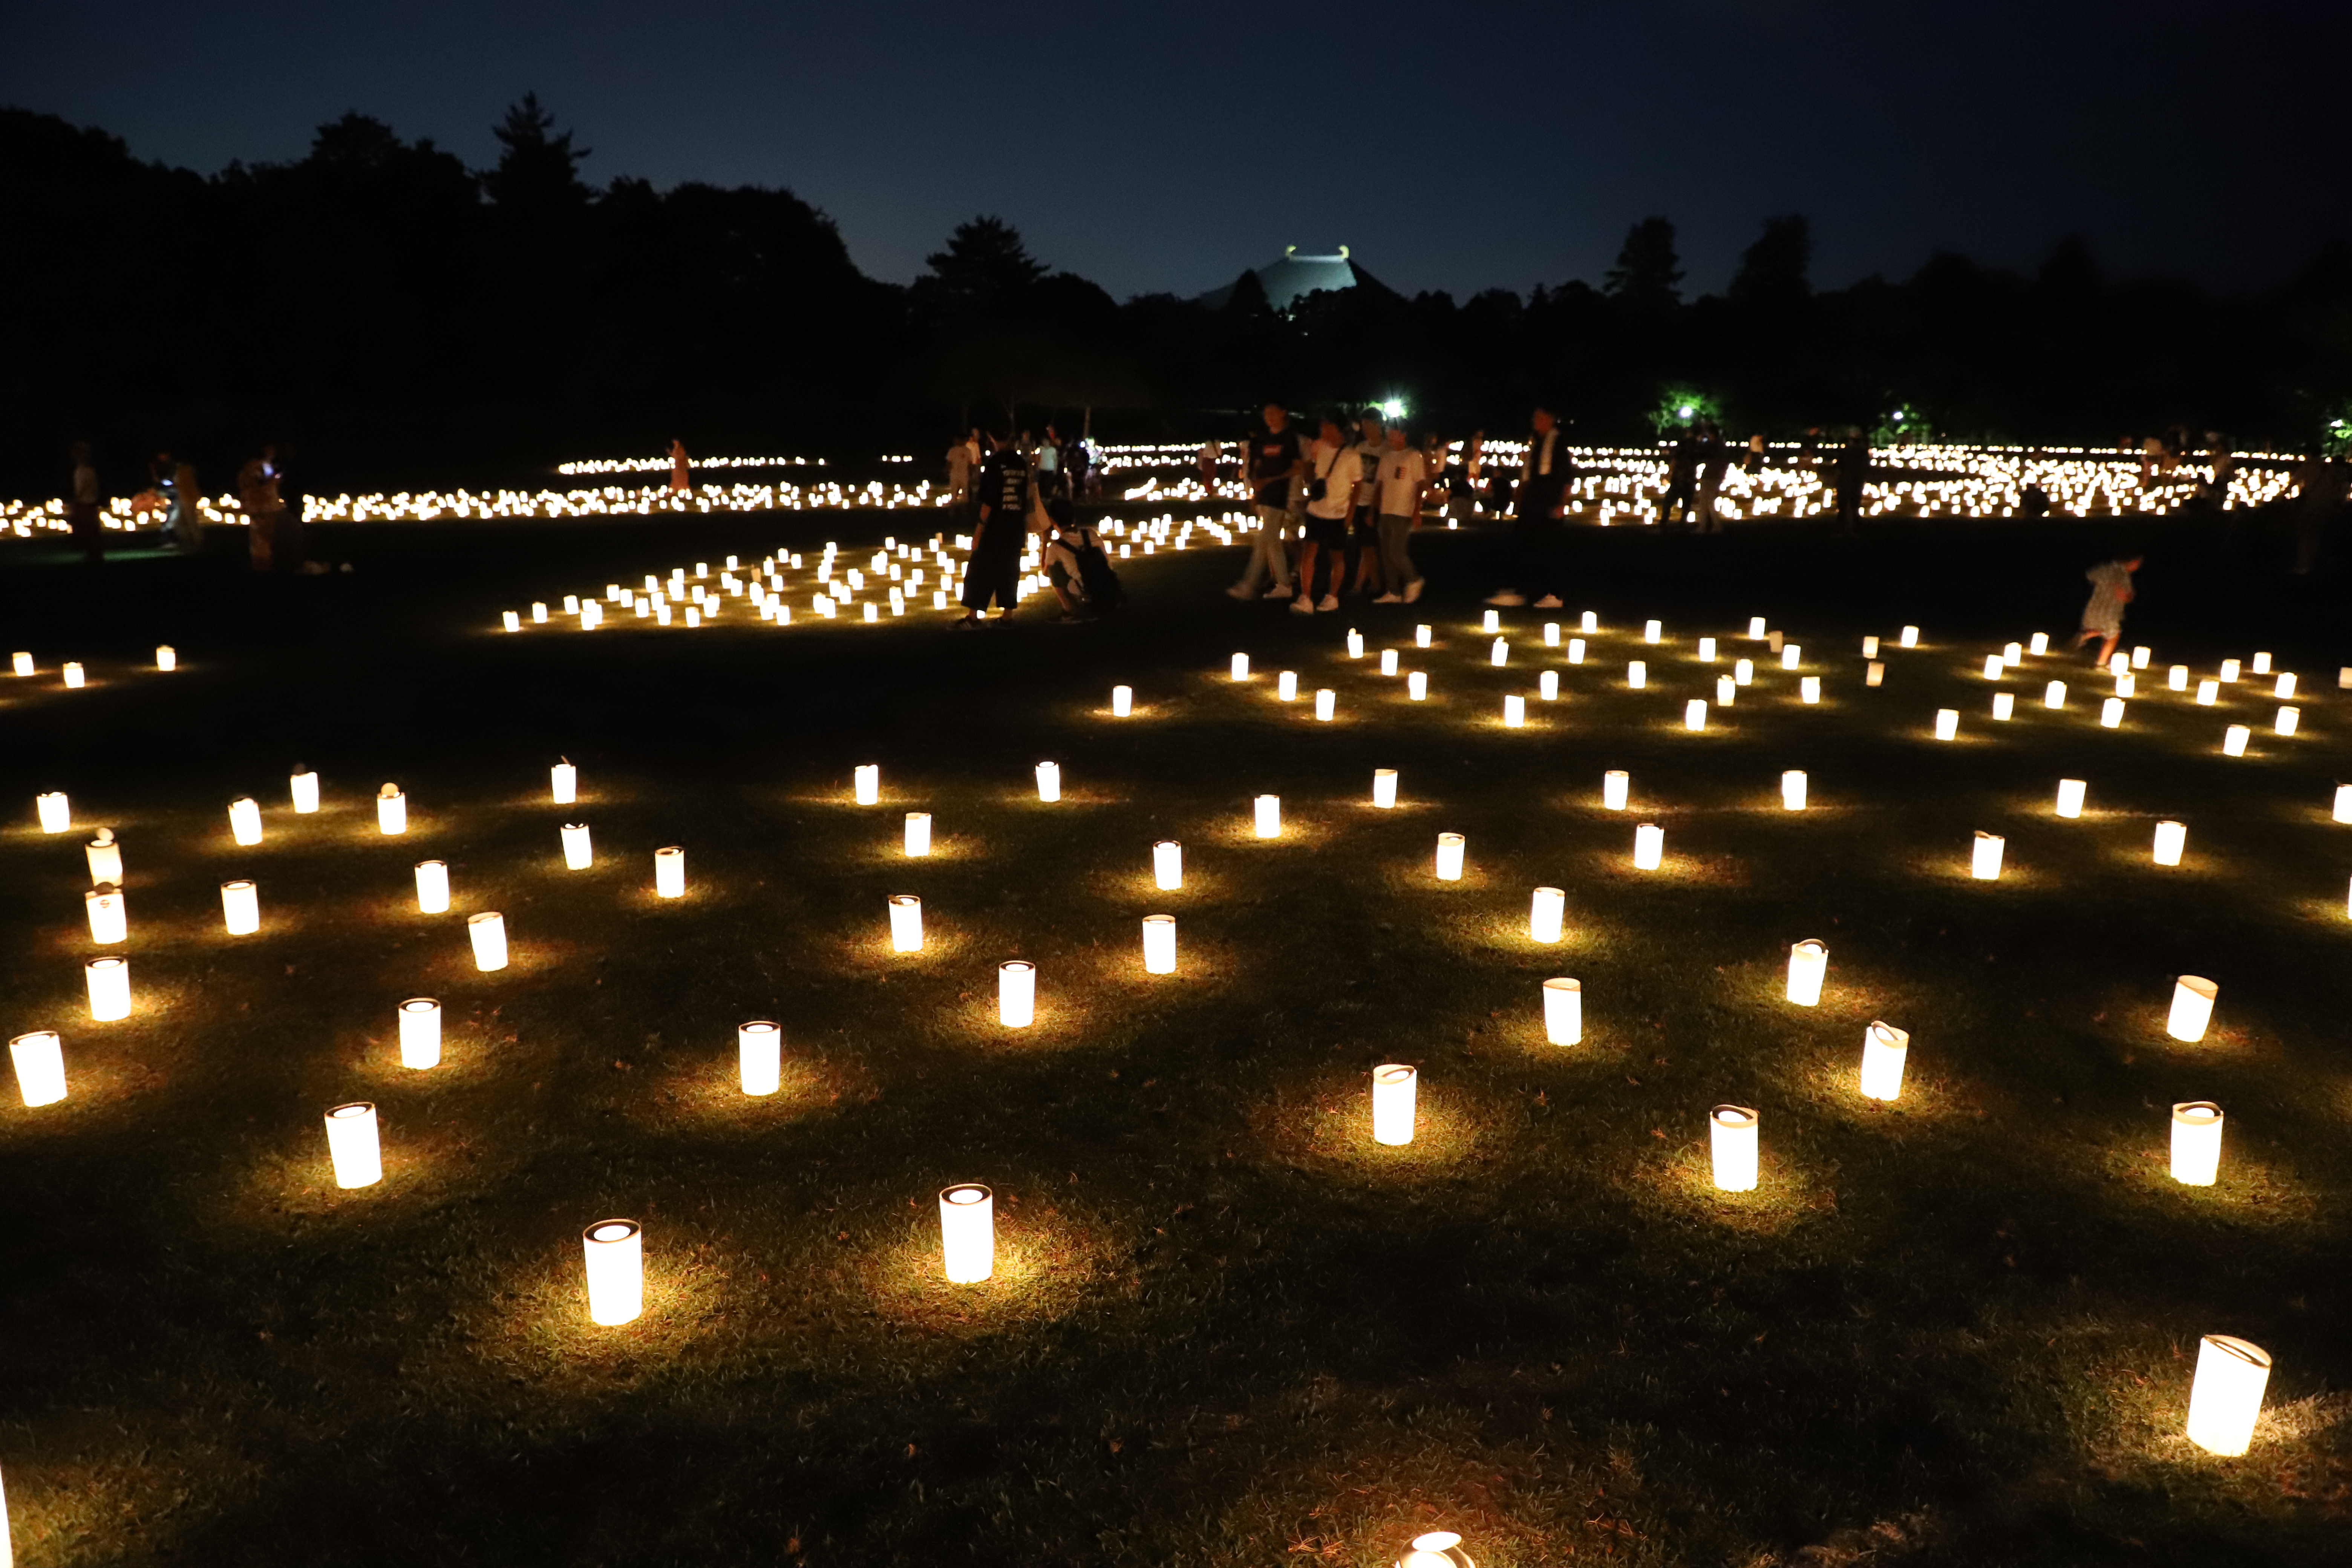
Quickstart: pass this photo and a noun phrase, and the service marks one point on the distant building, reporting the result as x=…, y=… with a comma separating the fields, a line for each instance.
x=1291, y=278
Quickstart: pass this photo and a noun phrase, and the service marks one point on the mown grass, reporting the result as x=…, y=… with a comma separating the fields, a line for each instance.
x=1226, y=1327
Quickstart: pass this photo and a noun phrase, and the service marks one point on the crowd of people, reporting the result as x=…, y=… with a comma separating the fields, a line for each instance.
x=173, y=499
x=1014, y=487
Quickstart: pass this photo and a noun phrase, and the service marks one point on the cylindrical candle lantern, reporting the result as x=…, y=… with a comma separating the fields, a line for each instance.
x=2004, y=705
x=2140, y=656
x=40, y=1061
x=241, y=907
x=1993, y=667
x=1384, y=786
x=1884, y=1048
x=1731, y=1139
x=1614, y=786
x=2070, y=797
x=1388, y=662
x=1494, y=621
x=1564, y=1002
x=760, y=1057
x=1269, y=816
x=2055, y=695
x=1651, y=630
x=564, y=782
x=670, y=872
x=22, y=663
x=1168, y=864
x=108, y=920
x=868, y=783
x=1576, y=651
x=1589, y=622
x=1870, y=648
x=1910, y=637
x=2226, y=1398
x=166, y=657
x=1695, y=713
x=2126, y=685
x=1726, y=689
x=1551, y=634
x=1706, y=651
x=1808, y=960
x=105, y=856
x=351, y=1144
x=56, y=811
x=1649, y=845
x=2229, y=670
x=2261, y=664
x=1421, y=636
x=1500, y=654
x=2196, y=1142
x=616, y=1270
x=420, y=1032
x=1548, y=685
x=1791, y=656
x=1049, y=782
x=1393, y=1091
x=1874, y=674
x=1755, y=627
x=302, y=785
x=1947, y=723
x=390, y=810
x=1159, y=944
x=2209, y=693
x=1016, y=992
x=1743, y=671
x=968, y=1233
x=488, y=931
x=73, y=674
x=1547, y=914
x=1241, y=667
x=2285, y=687
x=2192, y=1007
x=1416, y=685
x=1792, y=790
x=1809, y=688
x=2012, y=654
x=2111, y=714
x=2343, y=812
x=1637, y=674
x=578, y=853
x=1286, y=685
x=2234, y=739
x=433, y=886
x=2177, y=677
x=919, y=833
x=1515, y=711
x=906, y=923
x=1449, y=856
x=109, y=980
x=2170, y=837
x=1326, y=703
x=2287, y=720
x=1122, y=701
x=245, y=820
x=1984, y=857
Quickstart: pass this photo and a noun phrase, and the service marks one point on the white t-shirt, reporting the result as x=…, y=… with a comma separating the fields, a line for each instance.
x=1336, y=467
x=1401, y=475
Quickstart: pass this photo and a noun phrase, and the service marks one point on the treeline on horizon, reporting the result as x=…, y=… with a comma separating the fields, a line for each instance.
x=379, y=306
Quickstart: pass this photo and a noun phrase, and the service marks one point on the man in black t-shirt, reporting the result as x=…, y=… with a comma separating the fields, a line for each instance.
x=1271, y=461
x=1003, y=528
x=1538, y=530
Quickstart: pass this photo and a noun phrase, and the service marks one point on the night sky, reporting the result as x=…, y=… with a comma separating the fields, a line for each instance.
x=1457, y=147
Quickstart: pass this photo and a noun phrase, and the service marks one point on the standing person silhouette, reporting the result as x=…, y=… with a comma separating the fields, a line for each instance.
x=81, y=511
x=2103, y=617
x=681, y=477
x=997, y=538
x=1538, y=528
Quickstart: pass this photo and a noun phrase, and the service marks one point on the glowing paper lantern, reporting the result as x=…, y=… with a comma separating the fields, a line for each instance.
x=1416, y=686
x=2285, y=687
x=1809, y=688
x=670, y=872
x=1326, y=703
x=1355, y=643
x=1792, y=790
x=919, y=833
x=390, y=810
x=868, y=783
x=1159, y=944
x=1695, y=713
x=1884, y=1048
x=105, y=856
x=1016, y=992
x=511, y=620
x=2055, y=695
x=433, y=886
x=2262, y=664
x=488, y=931
x=1551, y=634
x=2012, y=654
x=2118, y=665
x=2004, y=705
x=1393, y=1091
x=352, y=1145
x=1637, y=674
x=2127, y=685
x=245, y=821
x=1547, y=914
x=1500, y=654
x=1706, y=651
x=240, y=908
x=1049, y=782
x=1168, y=859
x=109, y=921
x=1576, y=651
x=1241, y=667
x=2170, y=837
x=2229, y=670
x=578, y=853
x=1614, y=786
x=1649, y=847
x=2111, y=714
x=2226, y=1398
x=1808, y=962
x=2209, y=693
x=1388, y=662
x=1755, y=627
x=1651, y=630
x=2288, y=718
x=73, y=676
x=420, y=1032
x=2070, y=797
x=1269, y=815
x=1547, y=686
x=1870, y=648
x=1122, y=701
x=2196, y=1142
x=1286, y=685
x=109, y=980
x=166, y=657
x=1515, y=711
x=564, y=782
x=2234, y=739
x=1947, y=723
x=1790, y=656
x=2344, y=803
x=968, y=1233
x=1910, y=637
x=1449, y=856
x=2192, y=1008
x=1731, y=1139
x=56, y=812
x=40, y=1063
x=906, y=923
x=1421, y=636
x=1492, y=623
x=1563, y=1001
x=2178, y=678
x=1874, y=674
x=2140, y=656
x=2041, y=644
x=616, y=1270
x=1725, y=690
x=1993, y=667
x=760, y=1057
x=23, y=664
x=1984, y=861
x=1589, y=623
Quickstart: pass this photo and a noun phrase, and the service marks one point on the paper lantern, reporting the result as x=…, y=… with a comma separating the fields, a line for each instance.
x=1726, y=689
x=1168, y=857
x=1589, y=622
x=1649, y=847
x=240, y=907
x=1388, y=662
x=105, y=856
x=1494, y=622
x=23, y=664
x=2285, y=687
x=1706, y=651
x=390, y=810
x=1286, y=685
x=1809, y=688
x=1884, y=1048
x=1870, y=648
x=1449, y=856
x=512, y=620
x=2070, y=797
x=1241, y=667
x=1651, y=630
x=73, y=677
x=109, y=921
x=1637, y=674
x=2111, y=714
x=578, y=854
x=1616, y=784
x=1910, y=637
x=1016, y=993
x=245, y=821
x=2170, y=837
x=1421, y=636
x=1049, y=782
x=2041, y=644
x=2344, y=803
x=1122, y=701
x=420, y=1032
x=1808, y=960
x=1755, y=627
x=2140, y=656
x=2127, y=685
x=1743, y=671
x=2118, y=665
x=2196, y=1142
x=1947, y=723
x=1993, y=667
x=760, y=1057
x=40, y=1062
x=2226, y=1398
x=352, y=1145
x=1792, y=790
x=563, y=784
x=488, y=931
x=1731, y=1139
x=2004, y=706
x=2261, y=664
x=2012, y=654
x=1790, y=656
x=2055, y=695
x=2229, y=670
x=919, y=833
x=1984, y=860
x=2234, y=739
x=2288, y=718
x=167, y=657
x=433, y=886
x=1547, y=686
x=1159, y=944
x=1874, y=674
x=670, y=872
x=1416, y=686
x=539, y=609
x=2209, y=693
x=109, y=980
x=906, y=923
x=1576, y=651
x=56, y=812
x=1393, y=1089
x=2192, y=1008
x=1515, y=711
x=1551, y=634
x=1269, y=815
x=968, y=1233
x=302, y=784
x=1355, y=643
x=2178, y=678
x=616, y=1270
x=1326, y=703
x=1500, y=654
x=1695, y=713
x=1563, y=1003
x=1547, y=914
x=869, y=784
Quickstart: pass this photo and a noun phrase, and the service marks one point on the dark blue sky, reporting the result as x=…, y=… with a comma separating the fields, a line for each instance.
x=1165, y=147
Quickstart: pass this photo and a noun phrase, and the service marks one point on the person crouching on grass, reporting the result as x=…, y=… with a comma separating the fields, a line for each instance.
x=1078, y=565
x=2111, y=590
x=998, y=536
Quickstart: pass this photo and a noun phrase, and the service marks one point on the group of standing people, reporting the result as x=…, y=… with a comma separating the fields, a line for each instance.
x=1057, y=466
x=1010, y=494
x=274, y=530
x=1351, y=501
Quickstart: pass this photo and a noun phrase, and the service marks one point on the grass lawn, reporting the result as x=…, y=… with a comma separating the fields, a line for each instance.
x=1225, y=1326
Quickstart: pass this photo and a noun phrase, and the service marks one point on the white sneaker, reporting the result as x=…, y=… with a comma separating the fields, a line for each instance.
x=1241, y=591
x=1279, y=591
x=1388, y=599
x=1302, y=606
x=1507, y=599
x=1331, y=602
x=1549, y=602
x=1412, y=590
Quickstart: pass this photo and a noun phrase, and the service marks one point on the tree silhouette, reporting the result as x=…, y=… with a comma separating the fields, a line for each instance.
x=1774, y=269
x=985, y=264
x=1648, y=275
x=539, y=170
